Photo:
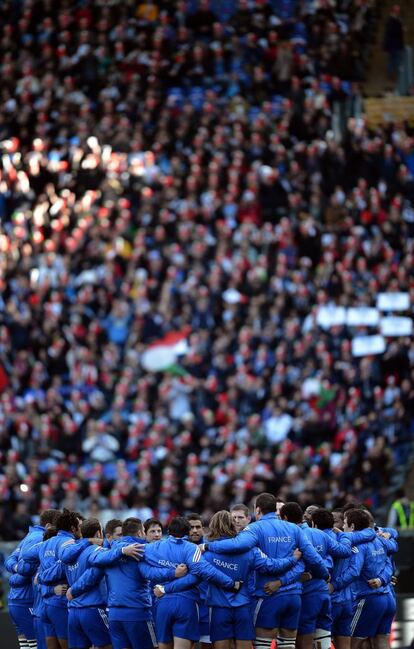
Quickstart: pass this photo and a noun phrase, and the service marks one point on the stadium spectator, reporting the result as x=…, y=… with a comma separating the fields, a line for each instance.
x=169, y=171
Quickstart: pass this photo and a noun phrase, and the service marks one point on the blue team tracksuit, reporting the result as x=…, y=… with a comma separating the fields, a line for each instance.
x=230, y=613
x=277, y=539
x=373, y=609
x=176, y=613
x=129, y=596
x=21, y=595
x=47, y=555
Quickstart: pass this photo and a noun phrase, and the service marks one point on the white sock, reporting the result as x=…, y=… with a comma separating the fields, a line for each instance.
x=262, y=643
x=322, y=639
x=285, y=643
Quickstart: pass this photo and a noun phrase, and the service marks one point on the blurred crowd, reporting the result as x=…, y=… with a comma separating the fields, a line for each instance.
x=173, y=167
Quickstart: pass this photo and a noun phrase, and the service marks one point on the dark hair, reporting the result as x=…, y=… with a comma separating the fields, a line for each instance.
x=240, y=507
x=50, y=532
x=80, y=517
x=266, y=503
x=351, y=505
x=221, y=524
x=293, y=512
x=111, y=526
x=357, y=517
x=194, y=517
x=132, y=527
x=48, y=517
x=179, y=527
x=89, y=528
x=67, y=520
x=151, y=522
x=323, y=519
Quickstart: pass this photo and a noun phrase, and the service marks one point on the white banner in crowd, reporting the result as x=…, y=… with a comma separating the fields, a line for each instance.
x=393, y=301
x=368, y=345
x=396, y=326
x=362, y=316
x=331, y=316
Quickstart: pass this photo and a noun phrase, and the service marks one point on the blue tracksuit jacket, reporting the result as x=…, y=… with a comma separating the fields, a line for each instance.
x=23, y=593
x=371, y=561
x=128, y=581
x=345, y=570
x=171, y=552
x=328, y=548
x=277, y=539
x=240, y=567
x=46, y=554
x=87, y=584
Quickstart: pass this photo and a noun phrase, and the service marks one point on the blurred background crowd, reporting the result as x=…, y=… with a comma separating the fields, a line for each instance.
x=177, y=168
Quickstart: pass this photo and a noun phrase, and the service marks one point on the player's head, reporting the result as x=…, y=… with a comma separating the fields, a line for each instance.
x=153, y=529
x=292, y=512
x=68, y=522
x=279, y=504
x=196, y=528
x=307, y=514
x=356, y=520
x=221, y=525
x=91, y=529
x=179, y=527
x=48, y=517
x=265, y=504
x=113, y=530
x=240, y=515
x=322, y=519
x=133, y=527
x=338, y=516
x=50, y=532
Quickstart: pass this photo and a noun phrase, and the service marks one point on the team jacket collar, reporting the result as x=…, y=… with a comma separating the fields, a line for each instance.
x=270, y=515
x=36, y=528
x=69, y=535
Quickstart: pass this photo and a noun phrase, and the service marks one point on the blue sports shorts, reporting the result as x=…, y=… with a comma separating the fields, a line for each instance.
x=341, y=618
x=22, y=619
x=315, y=612
x=373, y=615
x=277, y=612
x=177, y=617
x=228, y=623
x=88, y=626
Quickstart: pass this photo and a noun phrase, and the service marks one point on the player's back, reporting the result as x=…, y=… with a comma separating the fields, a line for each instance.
x=169, y=553
x=372, y=559
x=97, y=594
x=277, y=539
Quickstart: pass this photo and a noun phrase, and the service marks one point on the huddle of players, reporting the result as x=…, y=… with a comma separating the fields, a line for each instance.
x=290, y=576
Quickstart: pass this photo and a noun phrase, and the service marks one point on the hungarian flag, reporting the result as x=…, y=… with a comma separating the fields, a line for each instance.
x=162, y=355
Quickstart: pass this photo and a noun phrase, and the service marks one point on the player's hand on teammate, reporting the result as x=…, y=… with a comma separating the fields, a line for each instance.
x=331, y=588
x=375, y=583
x=237, y=585
x=134, y=550
x=384, y=535
x=272, y=587
x=297, y=554
x=159, y=590
x=181, y=570
x=69, y=595
x=305, y=576
x=60, y=590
